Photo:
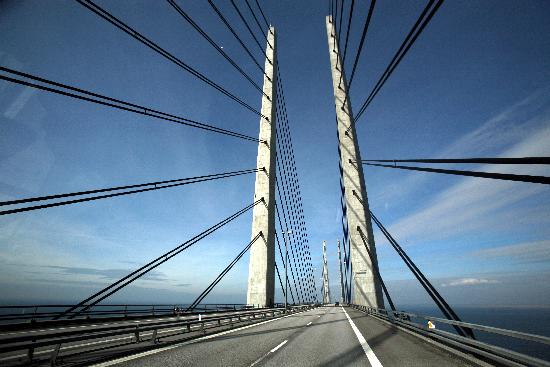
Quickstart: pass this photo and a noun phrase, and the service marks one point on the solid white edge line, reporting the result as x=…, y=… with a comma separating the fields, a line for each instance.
x=278, y=346
x=159, y=350
x=366, y=347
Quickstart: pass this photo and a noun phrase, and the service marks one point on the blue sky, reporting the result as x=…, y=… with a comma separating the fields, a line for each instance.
x=474, y=84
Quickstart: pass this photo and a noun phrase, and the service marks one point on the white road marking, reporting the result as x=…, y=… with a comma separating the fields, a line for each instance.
x=309, y=323
x=265, y=355
x=374, y=362
x=278, y=346
x=159, y=350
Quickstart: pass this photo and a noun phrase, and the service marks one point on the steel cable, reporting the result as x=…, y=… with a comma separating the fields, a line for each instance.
x=165, y=184
x=155, y=47
x=208, y=289
x=136, y=274
x=88, y=96
x=417, y=29
x=497, y=176
x=214, y=44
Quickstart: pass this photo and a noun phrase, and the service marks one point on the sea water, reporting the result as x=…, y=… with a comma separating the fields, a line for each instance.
x=531, y=320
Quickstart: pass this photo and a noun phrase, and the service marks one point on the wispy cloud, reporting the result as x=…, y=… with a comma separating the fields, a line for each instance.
x=518, y=123
x=469, y=282
x=538, y=251
x=19, y=102
x=473, y=203
x=108, y=273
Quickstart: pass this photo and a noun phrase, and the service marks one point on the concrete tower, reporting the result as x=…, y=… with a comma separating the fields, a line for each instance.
x=341, y=275
x=366, y=288
x=261, y=269
x=326, y=287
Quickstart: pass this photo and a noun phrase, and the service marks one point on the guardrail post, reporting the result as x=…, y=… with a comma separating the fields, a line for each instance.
x=55, y=353
x=30, y=352
x=34, y=313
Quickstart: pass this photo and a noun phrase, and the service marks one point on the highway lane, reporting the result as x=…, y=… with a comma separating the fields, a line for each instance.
x=319, y=337
x=328, y=341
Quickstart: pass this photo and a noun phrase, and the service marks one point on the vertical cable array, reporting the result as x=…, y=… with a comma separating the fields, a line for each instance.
x=294, y=199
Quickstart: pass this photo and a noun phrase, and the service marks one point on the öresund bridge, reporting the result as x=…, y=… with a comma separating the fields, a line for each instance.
x=364, y=326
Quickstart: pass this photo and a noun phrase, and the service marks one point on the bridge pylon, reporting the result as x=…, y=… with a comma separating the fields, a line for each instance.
x=366, y=287
x=326, y=286
x=261, y=270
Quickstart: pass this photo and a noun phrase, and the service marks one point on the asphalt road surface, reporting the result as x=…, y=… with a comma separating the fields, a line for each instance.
x=326, y=336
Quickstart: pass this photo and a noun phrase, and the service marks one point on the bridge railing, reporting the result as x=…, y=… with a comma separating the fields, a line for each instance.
x=35, y=313
x=50, y=341
x=494, y=353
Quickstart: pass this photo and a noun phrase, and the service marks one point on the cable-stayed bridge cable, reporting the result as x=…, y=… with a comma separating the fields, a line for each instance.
x=434, y=294
x=360, y=48
x=208, y=289
x=214, y=44
x=282, y=256
x=228, y=26
x=89, y=4
x=297, y=210
x=289, y=147
x=85, y=95
x=243, y=19
x=346, y=43
x=262, y=13
x=341, y=18
x=518, y=160
x=497, y=176
x=152, y=186
x=280, y=281
x=289, y=265
x=290, y=241
x=417, y=29
x=374, y=266
x=257, y=22
x=138, y=273
x=286, y=197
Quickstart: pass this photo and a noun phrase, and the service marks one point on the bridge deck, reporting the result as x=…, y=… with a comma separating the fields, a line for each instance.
x=319, y=337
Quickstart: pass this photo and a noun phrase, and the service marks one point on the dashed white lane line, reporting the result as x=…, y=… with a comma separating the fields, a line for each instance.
x=278, y=346
x=309, y=323
x=374, y=362
x=268, y=353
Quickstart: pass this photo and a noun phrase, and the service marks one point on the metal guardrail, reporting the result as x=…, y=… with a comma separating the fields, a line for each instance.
x=500, y=355
x=23, y=313
x=30, y=341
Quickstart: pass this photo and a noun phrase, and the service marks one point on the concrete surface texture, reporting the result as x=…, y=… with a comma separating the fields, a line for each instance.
x=366, y=288
x=261, y=270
